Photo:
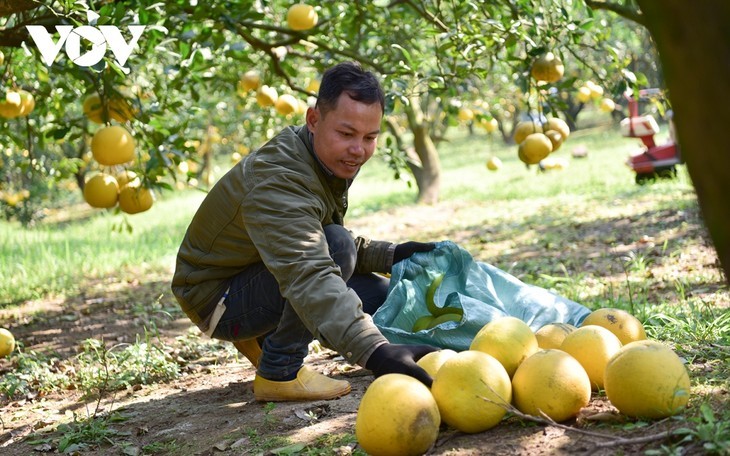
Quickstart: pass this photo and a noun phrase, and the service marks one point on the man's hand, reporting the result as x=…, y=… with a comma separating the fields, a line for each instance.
x=405, y=250
x=400, y=359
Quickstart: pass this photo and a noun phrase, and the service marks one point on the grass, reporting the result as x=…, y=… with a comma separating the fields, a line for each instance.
x=579, y=232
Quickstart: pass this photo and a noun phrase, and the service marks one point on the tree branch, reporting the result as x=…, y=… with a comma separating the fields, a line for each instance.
x=612, y=439
x=430, y=17
x=8, y=7
x=623, y=11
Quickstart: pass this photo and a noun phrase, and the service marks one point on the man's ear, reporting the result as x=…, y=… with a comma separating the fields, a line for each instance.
x=312, y=118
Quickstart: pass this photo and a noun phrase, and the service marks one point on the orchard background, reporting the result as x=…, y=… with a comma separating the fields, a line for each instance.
x=458, y=81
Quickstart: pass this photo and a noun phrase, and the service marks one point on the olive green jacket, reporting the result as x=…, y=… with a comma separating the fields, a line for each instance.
x=272, y=207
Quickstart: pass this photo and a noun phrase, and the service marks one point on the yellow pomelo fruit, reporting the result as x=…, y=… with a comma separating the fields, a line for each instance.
x=607, y=105
x=134, y=198
x=508, y=339
x=112, y=145
x=249, y=81
x=489, y=125
x=7, y=342
x=466, y=115
x=102, y=191
x=472, y=390
x=552, y=382
x=584, y=94
x=534, y=148
x=559, y=125
x=301, y=17
x=313, y=86
x=12, y=106
x=525, y=128
x=125, y=177
x=596, y=90
x=432, y=362
x=120, y=109
x=302, y=107
x=397, y=416
x=494, y=163
x=27, y=102
x=93, y=109
x=556, y=139
x=553, y=334
x=647, y=379
x=286, y=104
x=592, y=346
x=2, y=58
x=548, y=67
x=625, y=326
x=266, y=96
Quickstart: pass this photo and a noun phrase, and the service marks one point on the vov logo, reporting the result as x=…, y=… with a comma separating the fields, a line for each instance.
x=101, y=38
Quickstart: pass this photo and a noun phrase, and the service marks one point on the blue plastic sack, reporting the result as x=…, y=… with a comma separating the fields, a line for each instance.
x=483, y=291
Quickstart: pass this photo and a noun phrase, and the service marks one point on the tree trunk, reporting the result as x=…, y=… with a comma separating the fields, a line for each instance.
x=693, y=40
x=428, y=173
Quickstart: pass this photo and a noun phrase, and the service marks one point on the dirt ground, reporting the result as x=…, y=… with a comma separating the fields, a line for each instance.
x=210, y=409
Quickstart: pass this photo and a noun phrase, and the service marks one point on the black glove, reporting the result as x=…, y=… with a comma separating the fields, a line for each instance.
x=400, y=359
x=405, y=250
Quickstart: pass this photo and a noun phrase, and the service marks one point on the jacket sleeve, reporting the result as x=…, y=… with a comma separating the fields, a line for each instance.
x=373, y=256
x=282, y=215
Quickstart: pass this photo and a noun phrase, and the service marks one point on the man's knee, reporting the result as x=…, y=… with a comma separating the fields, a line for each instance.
x=342, y=248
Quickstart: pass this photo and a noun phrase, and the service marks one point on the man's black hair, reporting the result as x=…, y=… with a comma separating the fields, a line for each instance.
x=352, y=79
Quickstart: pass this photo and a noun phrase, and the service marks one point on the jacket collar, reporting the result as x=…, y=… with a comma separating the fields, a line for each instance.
x=308, y=138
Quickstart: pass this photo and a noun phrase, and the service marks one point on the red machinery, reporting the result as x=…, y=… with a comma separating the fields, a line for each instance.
x=654, y=160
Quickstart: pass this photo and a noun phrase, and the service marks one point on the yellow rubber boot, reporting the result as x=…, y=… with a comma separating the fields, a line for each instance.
x=308, y=386
x=249, y=348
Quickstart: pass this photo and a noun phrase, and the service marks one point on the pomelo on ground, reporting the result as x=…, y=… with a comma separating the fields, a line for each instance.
x=592, y=346
x=552, y=382
x=7, y=342
x=397, y=416
x=647, y=379
x=625, y=326
x=472, y=390
x=553, y=334
x=432, y=362
x=494, y=163
x=508, y=339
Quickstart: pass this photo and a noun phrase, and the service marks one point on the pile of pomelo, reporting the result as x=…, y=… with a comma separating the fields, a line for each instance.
x=549, y=373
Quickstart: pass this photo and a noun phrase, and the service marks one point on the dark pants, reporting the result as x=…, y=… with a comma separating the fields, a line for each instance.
x=255, y=308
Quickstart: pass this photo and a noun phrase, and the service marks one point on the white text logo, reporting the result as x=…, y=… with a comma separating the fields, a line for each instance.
x=100, y=38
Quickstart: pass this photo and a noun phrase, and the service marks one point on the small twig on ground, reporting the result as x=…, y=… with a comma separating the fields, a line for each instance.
x=615, y=441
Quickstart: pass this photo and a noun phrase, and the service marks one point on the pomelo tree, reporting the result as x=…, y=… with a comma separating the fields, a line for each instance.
x=190, y=58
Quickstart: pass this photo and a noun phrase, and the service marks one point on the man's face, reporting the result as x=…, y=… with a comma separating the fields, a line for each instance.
x=345, y=138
